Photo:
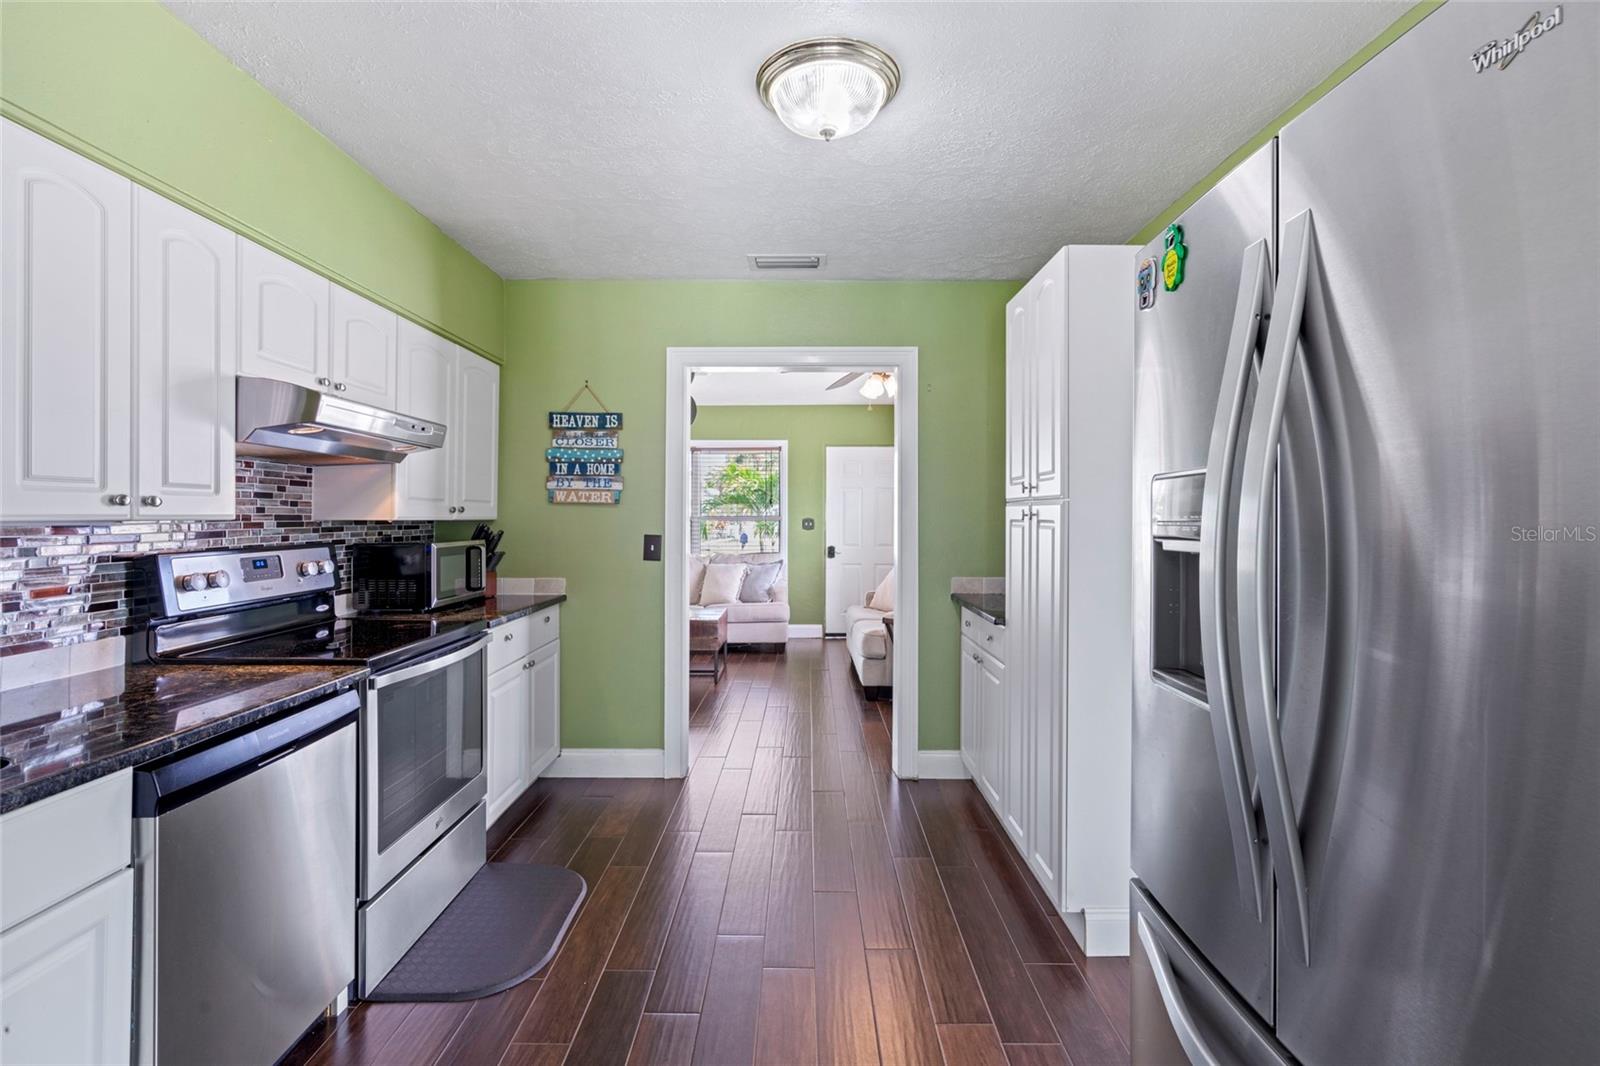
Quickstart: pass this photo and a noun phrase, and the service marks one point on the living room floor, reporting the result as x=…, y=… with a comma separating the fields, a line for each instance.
x=788, y=902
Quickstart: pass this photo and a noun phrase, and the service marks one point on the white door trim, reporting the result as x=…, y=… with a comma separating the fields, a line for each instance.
x=783, y=483
x=902, y=362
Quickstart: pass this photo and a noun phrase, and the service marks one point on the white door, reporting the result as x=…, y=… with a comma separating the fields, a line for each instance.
x=364, y=359
x=859, y=528
x=66, y=333
x=186, y=357
x=546, y=674
x=507, y=718
x=991, y=685
x=478, y=443
x=1044, y=710
x=1019, y=358
x=283, y=319
x=423, y=481
x=1048, y=387
x=66, y=979
x=1019, y=651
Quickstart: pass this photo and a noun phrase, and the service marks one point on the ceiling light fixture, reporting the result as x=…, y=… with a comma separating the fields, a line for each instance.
x=828, y=87
x=878, y=385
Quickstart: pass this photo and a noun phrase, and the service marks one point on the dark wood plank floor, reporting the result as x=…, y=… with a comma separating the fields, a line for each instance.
x=789, y=902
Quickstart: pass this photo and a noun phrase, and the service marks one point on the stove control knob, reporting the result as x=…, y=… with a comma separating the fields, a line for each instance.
x=307, y=569
x=191, y=582
x=218, y=579
x=325, y=567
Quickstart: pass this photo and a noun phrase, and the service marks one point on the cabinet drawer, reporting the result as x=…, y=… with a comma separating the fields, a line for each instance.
x=545, y=626
x=63, y=844
x=509, y=643
x=984, y=633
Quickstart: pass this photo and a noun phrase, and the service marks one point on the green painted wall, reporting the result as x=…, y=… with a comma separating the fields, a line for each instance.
x=809, y=431
x=132, y=87
x=615, y=335
x=1393, y=33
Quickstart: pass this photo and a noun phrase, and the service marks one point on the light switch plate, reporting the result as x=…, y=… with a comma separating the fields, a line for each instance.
x=652, y=547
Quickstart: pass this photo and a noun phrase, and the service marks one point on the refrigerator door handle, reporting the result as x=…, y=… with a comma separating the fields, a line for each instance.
x=1254, y=568
x=1194, y=1045
x=1216, y=521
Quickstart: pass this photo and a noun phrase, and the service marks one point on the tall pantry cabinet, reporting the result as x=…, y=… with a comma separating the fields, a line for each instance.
x=1066, y=733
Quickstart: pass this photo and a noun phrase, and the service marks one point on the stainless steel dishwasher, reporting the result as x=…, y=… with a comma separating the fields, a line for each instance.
x=246, y=864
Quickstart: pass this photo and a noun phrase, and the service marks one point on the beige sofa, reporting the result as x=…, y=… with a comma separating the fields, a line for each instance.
x=749, y=623
x=871, y=650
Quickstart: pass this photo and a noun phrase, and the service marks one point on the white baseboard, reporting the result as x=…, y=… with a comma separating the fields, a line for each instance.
x=1099, y=931
x=608, y=762
x=805, y=632
x=941, y=765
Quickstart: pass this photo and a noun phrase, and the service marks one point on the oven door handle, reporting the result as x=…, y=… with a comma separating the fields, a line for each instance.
x=427, y=666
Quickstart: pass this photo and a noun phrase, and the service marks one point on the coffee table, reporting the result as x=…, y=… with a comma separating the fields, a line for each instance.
x=708, y=638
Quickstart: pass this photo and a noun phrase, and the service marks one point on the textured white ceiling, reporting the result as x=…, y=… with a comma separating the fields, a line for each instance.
x=626, y=140
x=720, y=388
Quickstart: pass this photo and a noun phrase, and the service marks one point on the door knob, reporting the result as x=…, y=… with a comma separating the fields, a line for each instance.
x=150, y=501
x=119, y=499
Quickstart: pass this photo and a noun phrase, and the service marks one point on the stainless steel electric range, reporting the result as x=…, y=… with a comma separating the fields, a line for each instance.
x=421, y=786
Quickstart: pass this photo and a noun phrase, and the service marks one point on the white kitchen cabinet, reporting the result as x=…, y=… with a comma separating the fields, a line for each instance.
x=1060, y=782
x=185, y=362
x=66, y=333
x=476, y=428
x=983, y=717
x=545, y=669
x=364, y=350
x=523, y=731
x=509, y=725
x=423, y=480
x=66, y=979
x=283, y=319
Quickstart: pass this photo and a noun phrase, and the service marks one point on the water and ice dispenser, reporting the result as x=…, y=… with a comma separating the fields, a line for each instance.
x=1175, y=608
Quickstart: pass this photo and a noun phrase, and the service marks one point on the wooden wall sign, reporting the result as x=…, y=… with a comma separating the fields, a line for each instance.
x=585, y=456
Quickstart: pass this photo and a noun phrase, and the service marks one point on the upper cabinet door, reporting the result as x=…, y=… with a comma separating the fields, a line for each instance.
x=423, y=480
x=477, y=432
x=66, y=333
x=1019, y=319
x=1047, y=389
x=365, y=361
x=283, y=319
x=187, y=352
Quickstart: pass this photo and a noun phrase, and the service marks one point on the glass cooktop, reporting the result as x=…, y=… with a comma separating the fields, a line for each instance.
x=372, y=642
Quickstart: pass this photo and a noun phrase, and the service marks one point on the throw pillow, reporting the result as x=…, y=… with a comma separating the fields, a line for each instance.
x=697, y=577
x=722, y=583
x=758, y=582
x=882, y=598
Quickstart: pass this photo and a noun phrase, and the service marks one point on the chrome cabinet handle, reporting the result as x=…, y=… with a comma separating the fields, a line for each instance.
x=506, y=637
x=324, y=382
x=989, y=638
x=968, y=624
x=1216, y=518
x=339, y=386
x=977, y=658
x=151, y=501
x=1255, y=548
x=1194, y=1045
x=119, y=499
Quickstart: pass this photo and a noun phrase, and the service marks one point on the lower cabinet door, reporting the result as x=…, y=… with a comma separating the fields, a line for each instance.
x=1044, y=714
x=969, y=709
x=991, y=688
x=509, y=716
x=546, y=675
x=66, y=979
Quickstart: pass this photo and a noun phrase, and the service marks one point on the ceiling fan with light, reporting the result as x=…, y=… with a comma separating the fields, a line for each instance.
x=878, y=383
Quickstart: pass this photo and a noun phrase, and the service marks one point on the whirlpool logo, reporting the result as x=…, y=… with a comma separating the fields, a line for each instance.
x=1498, y=55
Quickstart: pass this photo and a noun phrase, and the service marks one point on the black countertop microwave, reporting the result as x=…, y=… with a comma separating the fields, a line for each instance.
x=420, y=576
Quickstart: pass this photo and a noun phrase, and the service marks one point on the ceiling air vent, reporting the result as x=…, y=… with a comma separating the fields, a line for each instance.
x=786, y=262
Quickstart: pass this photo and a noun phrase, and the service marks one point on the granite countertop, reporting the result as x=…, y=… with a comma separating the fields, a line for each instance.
x=495, y=611
x=990, y=606
x=60, y=734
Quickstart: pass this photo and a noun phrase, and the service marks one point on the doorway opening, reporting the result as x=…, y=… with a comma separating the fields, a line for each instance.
x=747, y=503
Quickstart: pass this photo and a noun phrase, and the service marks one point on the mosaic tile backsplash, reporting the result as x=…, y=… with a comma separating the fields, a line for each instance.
x=69, y=584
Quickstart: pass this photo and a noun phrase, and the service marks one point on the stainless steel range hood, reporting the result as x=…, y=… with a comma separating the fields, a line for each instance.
x=282, y=420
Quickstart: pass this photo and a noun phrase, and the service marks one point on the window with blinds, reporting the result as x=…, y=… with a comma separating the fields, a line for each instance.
x=736, y=502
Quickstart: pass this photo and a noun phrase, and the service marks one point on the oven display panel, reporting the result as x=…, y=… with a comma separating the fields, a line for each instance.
x=261, y=567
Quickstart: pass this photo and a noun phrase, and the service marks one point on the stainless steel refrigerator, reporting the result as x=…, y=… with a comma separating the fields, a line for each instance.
x=1366, y=811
